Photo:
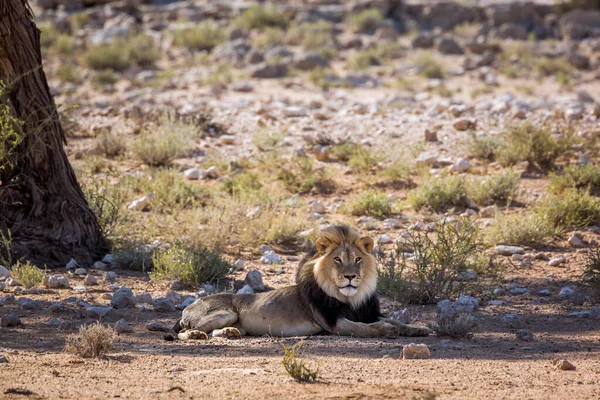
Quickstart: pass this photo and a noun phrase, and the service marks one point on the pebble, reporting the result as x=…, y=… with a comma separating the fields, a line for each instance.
x=108, y=259
x=97, y=312
x=10, y=320
x=566, y=291
x=4, y=272
x=80, y=271
x=384, y=239
x=213, y=173
x=3, y=359
x=269, y=257
x=164, y=305
x=156, y=326
x=580, y=314
x=294, y=112
x=467, y=276
x=245, y=290
x=57, y=281
x=142, y=203
x=90, y=280
x=555, y=262
x=402, y=315
x=72, y=264
x=99, y=265
x=575, y=241
x=487, y=212
x=123, y=298
x=109, y=276
x=431, y=135
x=254, y=280
x=508, y=250
x=464, y=124
x=123, y=327
x=524, y=335
x=513, y=321
x=544, y=292
x=194, y=173
x=239, y=265
x=414, y=351
x=564, y=365
x=12, y=282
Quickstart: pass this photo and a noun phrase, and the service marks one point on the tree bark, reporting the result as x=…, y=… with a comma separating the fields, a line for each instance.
x=41, y=203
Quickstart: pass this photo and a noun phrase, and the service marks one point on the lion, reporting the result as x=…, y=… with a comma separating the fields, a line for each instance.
x=335, y=293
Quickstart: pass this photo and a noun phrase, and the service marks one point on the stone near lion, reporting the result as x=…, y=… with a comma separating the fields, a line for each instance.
x=335, y=292
x=415, y=351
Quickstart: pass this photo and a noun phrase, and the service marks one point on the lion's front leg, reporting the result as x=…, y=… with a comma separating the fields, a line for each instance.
x=345, y=327
x=407, y=329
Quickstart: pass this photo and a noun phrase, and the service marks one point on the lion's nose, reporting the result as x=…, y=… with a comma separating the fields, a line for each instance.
x=350, y=277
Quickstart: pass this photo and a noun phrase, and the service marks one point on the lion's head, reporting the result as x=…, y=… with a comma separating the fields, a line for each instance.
x=344, y=267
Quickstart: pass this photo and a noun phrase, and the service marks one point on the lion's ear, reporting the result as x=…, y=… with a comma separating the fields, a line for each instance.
x=366, y=243
x=322, y=244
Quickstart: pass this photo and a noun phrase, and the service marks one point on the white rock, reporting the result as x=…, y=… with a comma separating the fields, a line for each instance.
x=72, y=264
x=384, y=239
x=566, y=291
x=555, y=262
x=141, y=203
x=415, y=351
x=4, y=272
x=575, y=241
x=90, y=280
x=123, y=327
x=508, y=250
x=245, y=289
x=143, y=298
x=80, y=271
x=269, y=257
x=80, y=289
x=57, y=281
x=294, y=112
x=194, y=173
x=213, y=173
x=239, y=265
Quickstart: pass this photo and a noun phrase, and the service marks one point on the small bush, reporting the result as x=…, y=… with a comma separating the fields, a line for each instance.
x=398, y=169
x=269, y=37
x=267, y=138
x=489, y=189
x=429, y=66
x=166, y=142
x=296, y=368
x=572, y=209
x=28, y=274
x=438, y=194
x=242, y=184
x=552, y=66
x=203, y=37
x=375, y=55
x=64, y=45
x=105, y=78
x=91, y=341
x=484, y=147
x=49, y=35
x=591, y=273
x=107, y=202
x=134, y=255
x=583, y=177
x=110, y=143
x=369, y=202
x=366, y=21
x=143, y=51
x=114, y=57
x=261, y=17
x=69, y=73
x=456, y=326
x=191, y=266
x=529, y=229
x=316, y=36
x=358, y=157
x=300, y=176
x=432, y=271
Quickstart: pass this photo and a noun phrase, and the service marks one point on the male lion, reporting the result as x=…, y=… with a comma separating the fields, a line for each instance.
x=335, y=292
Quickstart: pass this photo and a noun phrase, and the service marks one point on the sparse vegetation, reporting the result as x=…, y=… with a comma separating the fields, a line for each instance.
x=438, y=194
x=484, y=147
x=591, y=273
x=369, y=202
x=366, y=21
x=91, y=341
x=583, y=177
x=134, y=255
x=527, y=229
x=110, y=143
x=202, y=37
x=358, y=157
x=300, y=175
x=456, y=326
x=188, y=264
x=296, y=368
x=429, y=66
x=122, y=54
x=162, y=144
x=503, y=186
x=572, y=209
x=69, y=73
x=28, y=274
x=262, y=16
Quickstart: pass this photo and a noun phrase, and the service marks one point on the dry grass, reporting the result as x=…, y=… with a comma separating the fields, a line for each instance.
x=528, y=229
x=439, y=194
x=366, y=21
x=456, y=326
x=162, y=144
x=202, y=37
x=296, y=368
x=91, y=341
x=503, y=186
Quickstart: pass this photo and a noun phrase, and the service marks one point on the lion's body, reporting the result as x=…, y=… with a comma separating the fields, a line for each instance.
x=334, y=292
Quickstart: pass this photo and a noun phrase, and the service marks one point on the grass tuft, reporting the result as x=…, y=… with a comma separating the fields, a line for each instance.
x=164, y=143
x=591, y=274
x=203, y=37
x=366, y=21
x=296, y=368
x=499, y=187
x=456, y=326
x=28, y=274
x=528, y=229
x=582, y=177
x=369, y=202
x=572, y=209
x=439, y=194
x=261, y=17
x=91, y=341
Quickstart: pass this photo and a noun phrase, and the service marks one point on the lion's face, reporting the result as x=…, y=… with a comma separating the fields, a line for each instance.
x=346, y=269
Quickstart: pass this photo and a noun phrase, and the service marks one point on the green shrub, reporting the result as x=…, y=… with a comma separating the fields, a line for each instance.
x=203, y=37
x=357, y=156
x=114, y=57
x=134, y=255
x=316, y=36
x=191, y=266
x=296, y=368
x=69, y=73
x=366, y=21
x=572, y=209
x=369, y=202
x=489, y=189
x=438, y=194
x=110, y=143
x=591, y=273
x=143, y=50
x=49, y=35
x=300, y=175
x=269, y=37
x=375, y=55
x=528, y=229
x=242, y=184
x=164, y=143
x=261, y=17
x=64, y=45
x=429, y=66
x=28, y=274
x=484, y=147
x=105, y=78
x=107, y=201
x=586, y=177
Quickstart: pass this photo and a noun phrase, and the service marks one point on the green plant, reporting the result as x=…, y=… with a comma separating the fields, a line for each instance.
x=484, y=147
x=110, y=143
x=49, y=35
x=107, y=202
x=11, y=134
x=583, y=177
x=134, y=255
x=91, y=341
x=455, y=325
x=114, y=57
x=190, y=265
x=369, y=202
x=439, y=193
x=398, y=169
x=358, y=157
x=242, y=184
x=366, y=21
x=489, y=189
x=161, y=145
x=266, y=138
x=429, y=66
x=528, y=229
x=296, y=368
x=552, y=66
x=28, y=274
x=269, y=37
x=437, y=259
x=591, y=273
x=105, y=78
x=64, y=45
x=300, y=175
x=69, y=73
x=203, y=37
x=143, y=50
x=316, y=36
x=262, y=16
x=572, y=209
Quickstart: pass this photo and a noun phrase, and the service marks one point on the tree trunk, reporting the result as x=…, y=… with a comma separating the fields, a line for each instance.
x=41, y=203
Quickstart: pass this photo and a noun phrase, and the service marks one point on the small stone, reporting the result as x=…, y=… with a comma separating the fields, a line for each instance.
x=415, y=351
x=143, y=298
x=487, y=212
x=460, y=166
x=109, y=276
x=580, y=314
x=517, y=291
x=513, y=321
x=524, y=335
x=464, y=124
x=72, y=264
x=384, y=239
x=317, y=206
x=239, y=265
x=566, y=292
x=2, y=286
x=12, y=282
x=194, y=173
x=4, y=272
x=245, y=290
x=57, y=281
x=97, y=312
x=123, y=298
x=213, y=173
x=564, y=365
x=294, y=112
x=499, y=292
x=142, y=203
x=29, y=304
x=544, y=292
x=595, y=312
x=227, y=139
x=3, y=359
x=269, y=257
x=555, y=262
x=156, y=326
x=90, y=280
x=108, y=259
x=402, y=315
x=467, y=276
x=123, y=327
x=80, y=271
x=575, y=241
x=54, y=322
x=176, y=285
x=457, y=110
x=254, y=280
x=508, y=250
x=242, y=86
x=431, y=135
x=10, y=320
x=99, y=265
x=164, y=305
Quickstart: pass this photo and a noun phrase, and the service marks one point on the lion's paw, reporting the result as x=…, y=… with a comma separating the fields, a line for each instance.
x=192, y=335
x=228, y=333
x=417, y=330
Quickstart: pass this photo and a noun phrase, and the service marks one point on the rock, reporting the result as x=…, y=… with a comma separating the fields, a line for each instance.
x=294, y=112
x=269, y=257
x=384, y=239
x=579, y=24
x=431, y=136
x=109, y=276
x=518, y=291
x=566, y=291
x=99, y=265
x=310, y=61
x=467, y=276
x=97, y=311
x=10, y=320
x=595, y=312
x=142, y=203
x=464, y=304
x=213, y=172
x=254, y=280
x=72, y=264
x=415, y=351
x=108, y=259
x=317, y=206
x=391, y=223
x=156, y=326
x=564, y=365
x=268, y=71
x=12, y=282
x=29, y=304
x=242, y=87
x=499, y=292
x=423, y=40
x=402, y=316
x=4, y=272
x=578, y=60
x=2, y=286
x=508, y=250
x=460, y=166
x=448, y=45
x=580, y=314
x=57, y=307
x=164, y=305
x=55, y=322
x=194, y=173
x=90, y=280
x=513, y=321
x=80, y=271
x=464, y=124
x=510, y=30
x=175, y=285
x=3, y=359
x=188, y=301
x=143, y=298
x=524, y=335
x=123, y=327
x=123, y=298
x=57, y=281
x=245, y=290
x=576, y=241
x=487, y=212
x=544, y=292
x=457, y=110
x=555, y=262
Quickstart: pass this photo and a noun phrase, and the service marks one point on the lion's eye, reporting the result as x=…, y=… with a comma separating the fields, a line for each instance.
x=337, y=260
x=358, y=259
